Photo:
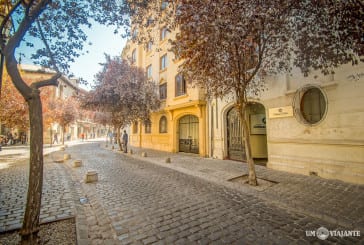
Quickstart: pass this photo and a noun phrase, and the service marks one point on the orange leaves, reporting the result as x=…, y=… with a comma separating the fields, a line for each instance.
x=13, y=108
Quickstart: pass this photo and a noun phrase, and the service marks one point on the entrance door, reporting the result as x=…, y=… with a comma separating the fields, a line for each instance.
x=188, y=134
x=235, y=140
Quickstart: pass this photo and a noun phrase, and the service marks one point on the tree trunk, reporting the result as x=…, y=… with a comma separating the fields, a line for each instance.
x=243, y=118
x=29, y=231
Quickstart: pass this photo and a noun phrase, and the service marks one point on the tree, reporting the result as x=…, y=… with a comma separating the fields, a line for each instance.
x=13, y=108
x=59, y=25
x=64, y=112
x=228, y=47
x=125, y=92
x=236, y=41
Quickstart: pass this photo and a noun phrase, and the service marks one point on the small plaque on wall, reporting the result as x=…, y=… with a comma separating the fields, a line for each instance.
x=285, y=111
x=258, y=124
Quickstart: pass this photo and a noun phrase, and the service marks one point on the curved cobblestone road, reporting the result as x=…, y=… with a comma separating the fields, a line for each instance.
x=136, y=202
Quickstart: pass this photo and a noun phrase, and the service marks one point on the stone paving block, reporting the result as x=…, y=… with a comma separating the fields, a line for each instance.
x=150, y=240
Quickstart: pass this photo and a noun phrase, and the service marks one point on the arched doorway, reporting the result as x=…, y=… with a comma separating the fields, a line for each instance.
x=188, y=134
x=257, y=129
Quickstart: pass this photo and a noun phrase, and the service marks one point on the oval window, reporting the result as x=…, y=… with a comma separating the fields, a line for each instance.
x=310, y=105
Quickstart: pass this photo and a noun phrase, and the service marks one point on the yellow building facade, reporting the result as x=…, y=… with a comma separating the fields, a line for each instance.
x=179, y=125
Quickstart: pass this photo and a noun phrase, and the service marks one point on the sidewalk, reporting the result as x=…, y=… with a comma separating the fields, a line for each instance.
x=22, y=151
x=334, y=201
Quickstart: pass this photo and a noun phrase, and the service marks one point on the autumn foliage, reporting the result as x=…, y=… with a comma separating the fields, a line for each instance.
x=124, y=92
x=13, y=108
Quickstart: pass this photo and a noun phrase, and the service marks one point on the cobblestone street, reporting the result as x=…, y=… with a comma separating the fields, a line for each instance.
x=58, y=194
x=136, y=201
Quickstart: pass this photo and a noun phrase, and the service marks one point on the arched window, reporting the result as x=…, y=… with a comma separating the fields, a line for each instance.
x=163, y=124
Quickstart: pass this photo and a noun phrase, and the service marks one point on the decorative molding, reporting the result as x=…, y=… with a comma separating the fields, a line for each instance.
x=338, y=142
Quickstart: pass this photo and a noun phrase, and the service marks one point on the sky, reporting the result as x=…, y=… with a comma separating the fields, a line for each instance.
x=86, y=66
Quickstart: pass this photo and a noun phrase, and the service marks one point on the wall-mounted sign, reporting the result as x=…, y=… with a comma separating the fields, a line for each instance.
x=285, y=111
x=258, y=124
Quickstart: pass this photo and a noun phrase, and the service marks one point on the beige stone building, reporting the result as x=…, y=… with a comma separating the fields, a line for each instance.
x=66, y=88
x=306, y=125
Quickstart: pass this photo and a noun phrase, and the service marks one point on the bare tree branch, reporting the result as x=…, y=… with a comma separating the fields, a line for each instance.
x=50, y=82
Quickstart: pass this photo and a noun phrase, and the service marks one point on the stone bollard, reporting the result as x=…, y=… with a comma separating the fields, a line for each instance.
x=66, y=156
x=131, y=152
x=91, y=176
x=62, y=148
x=144, y=154
x=168, y=160
x=77, y=163
x=112, y=147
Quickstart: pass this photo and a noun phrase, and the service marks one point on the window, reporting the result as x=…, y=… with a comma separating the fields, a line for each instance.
x=164, y=5
x=149, y=46
x=135, y=33
x=180, y=85
x=150, y=21
x=310, y=105
x=135, y=127
x=147, y=127
x=163, y=125
x=133, y=56
x=163, y=62
x=149, y=71
x=163, y=91
x=164, y=33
